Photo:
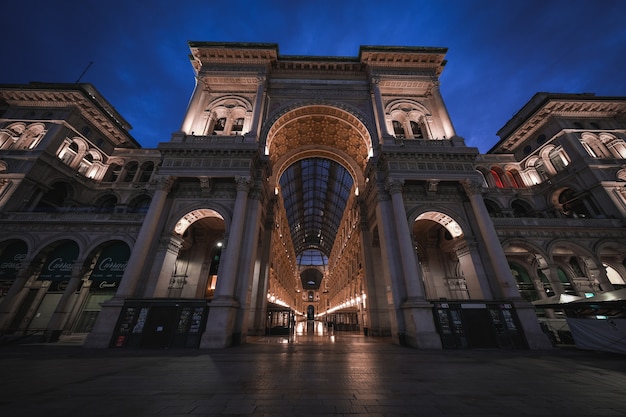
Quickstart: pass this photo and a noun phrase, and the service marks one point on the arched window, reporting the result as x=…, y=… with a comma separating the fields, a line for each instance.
x=31, y=136
x=497, y=178
x=416, y=129
x=237, y=125
x=524, y=282
x=594, y=146
x=140, y=204
x=114, y=173
x=146, y=171
x=106, y=204
x=522, y=209
x=131, y=171
x=493, y=208
x=572, y=205
x=68, y=154
x=514, y=179
x=616, y=146
x=558, y=159
x=219, y=126
x=86, y=164
x=568, y=287
x=398, y=130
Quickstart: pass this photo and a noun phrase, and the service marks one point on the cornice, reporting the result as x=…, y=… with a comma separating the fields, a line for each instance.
x=530, y=119
x=101, y=117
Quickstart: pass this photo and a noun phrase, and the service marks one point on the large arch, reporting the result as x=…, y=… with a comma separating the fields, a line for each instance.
x=319, y=125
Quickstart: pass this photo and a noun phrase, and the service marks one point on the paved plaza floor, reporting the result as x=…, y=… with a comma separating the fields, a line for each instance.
x=334, y=375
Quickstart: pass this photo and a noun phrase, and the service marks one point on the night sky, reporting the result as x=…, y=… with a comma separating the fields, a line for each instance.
x=500, y=53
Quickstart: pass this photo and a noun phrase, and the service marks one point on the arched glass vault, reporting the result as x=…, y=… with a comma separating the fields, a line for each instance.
x=315, y=192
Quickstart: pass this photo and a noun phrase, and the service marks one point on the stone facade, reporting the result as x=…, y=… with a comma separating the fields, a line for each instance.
x=195, y=242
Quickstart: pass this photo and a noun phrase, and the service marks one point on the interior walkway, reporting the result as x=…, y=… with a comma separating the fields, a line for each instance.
x=327, y=374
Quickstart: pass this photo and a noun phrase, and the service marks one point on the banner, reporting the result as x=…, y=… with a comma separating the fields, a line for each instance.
x=10, y=260
x=59, y=264
x=110, y=267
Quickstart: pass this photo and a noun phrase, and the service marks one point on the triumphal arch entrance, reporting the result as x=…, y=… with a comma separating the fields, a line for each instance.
x=324, y=189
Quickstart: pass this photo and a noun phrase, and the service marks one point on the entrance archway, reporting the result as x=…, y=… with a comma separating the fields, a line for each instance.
x=318, y=155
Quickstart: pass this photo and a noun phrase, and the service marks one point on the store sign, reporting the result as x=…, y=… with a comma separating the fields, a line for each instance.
x=58, y=266
x=11, y=260
x=110, y=266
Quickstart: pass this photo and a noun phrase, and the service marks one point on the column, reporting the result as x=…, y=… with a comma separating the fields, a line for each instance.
x=10, y=301
x=102, y=331
x=444, y=117
x=395, y=291
x=227, y=274
x=63, y=307
x=475, y=277
x=259, y=289
x=223, y=310
x=258, y=107
x=377, y=307
x=191, y=115
x=412, y=275
x=379, y=111
x=144, y=241
x=507, y=287
x=164, y=262
x=420, y=325
x=249, y=245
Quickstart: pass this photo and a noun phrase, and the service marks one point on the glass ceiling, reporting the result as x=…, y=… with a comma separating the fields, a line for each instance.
x=315, y=193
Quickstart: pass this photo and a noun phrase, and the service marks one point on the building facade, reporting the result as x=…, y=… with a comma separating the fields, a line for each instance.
x=333, y=189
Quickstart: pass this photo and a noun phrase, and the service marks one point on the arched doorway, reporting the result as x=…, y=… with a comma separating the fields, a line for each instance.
x=318, y=155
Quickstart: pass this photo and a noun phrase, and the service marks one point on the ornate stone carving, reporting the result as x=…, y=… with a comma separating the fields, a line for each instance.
x=394, y=185
x=471, y=187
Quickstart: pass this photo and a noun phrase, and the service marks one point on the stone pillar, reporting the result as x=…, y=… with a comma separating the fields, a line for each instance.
x=440, y=106
x=259, y=290
x=223, y=309
x=412, y=275
x=379, y=111
x=258, y=107
x=395, y=291
x=420, y=324
x=12, y=299
x=164, y=262
x=102, y=331
x=507, y=287
x=535, y=337
x=249, y=245
x=194, y=106
x=65, y=305
x=376, y=306
x=473, y=271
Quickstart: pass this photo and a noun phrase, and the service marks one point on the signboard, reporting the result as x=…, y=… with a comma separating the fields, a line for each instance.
x=59, y=264
x=110, y=267
x=11, y=260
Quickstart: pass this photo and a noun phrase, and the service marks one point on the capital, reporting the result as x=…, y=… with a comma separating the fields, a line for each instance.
x=165, y=183
x=243, y=183
x=471, y=187
x=394, y=186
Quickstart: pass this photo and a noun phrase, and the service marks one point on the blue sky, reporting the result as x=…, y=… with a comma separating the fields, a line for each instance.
x=500, y=53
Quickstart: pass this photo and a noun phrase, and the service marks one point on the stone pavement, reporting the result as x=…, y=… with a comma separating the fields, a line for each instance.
x=339, y=375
